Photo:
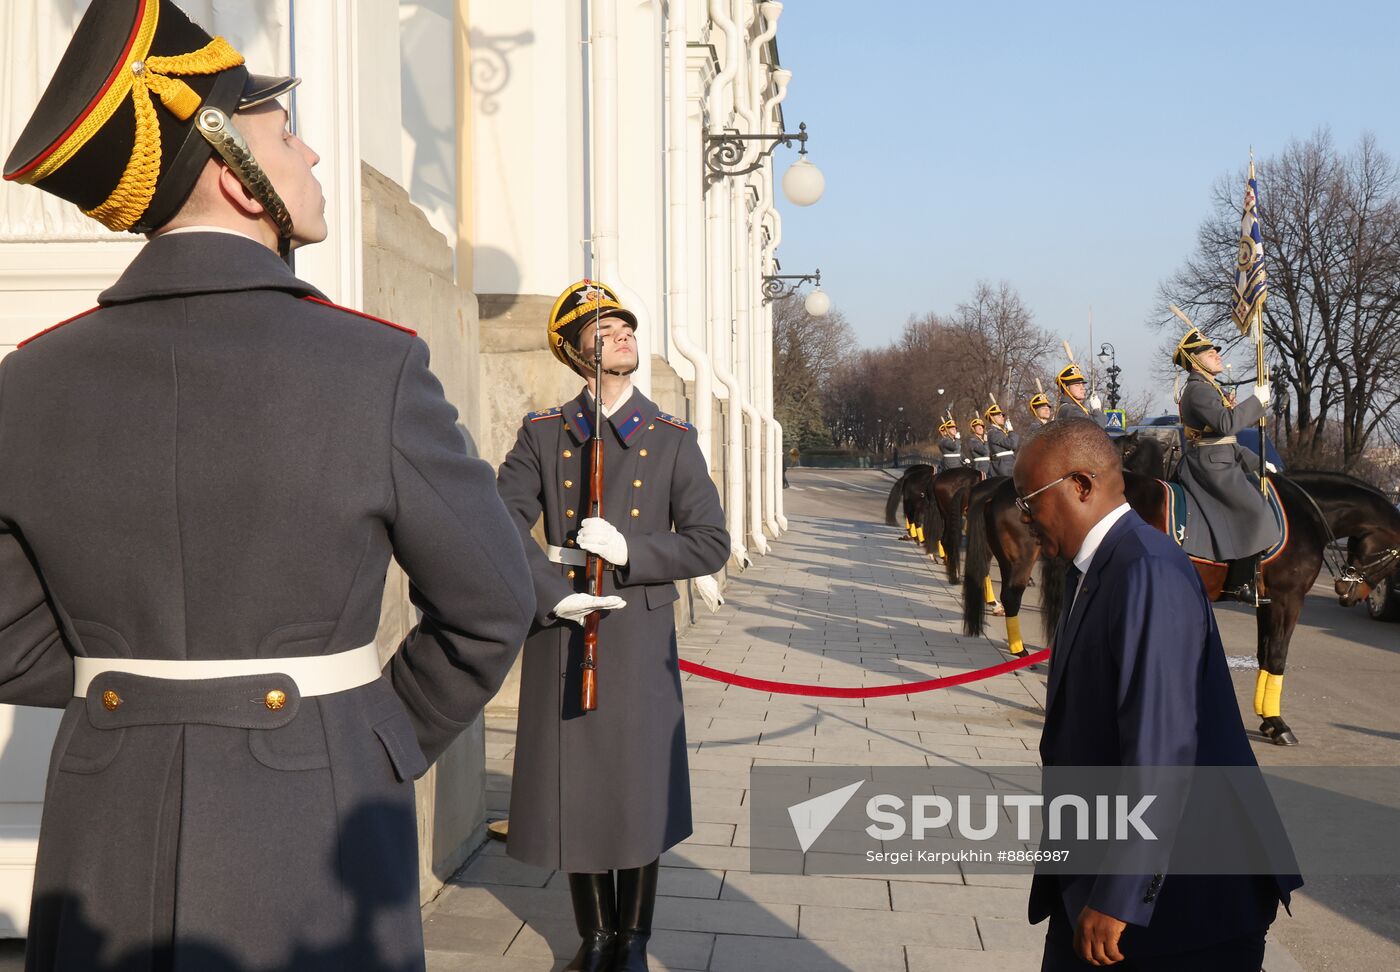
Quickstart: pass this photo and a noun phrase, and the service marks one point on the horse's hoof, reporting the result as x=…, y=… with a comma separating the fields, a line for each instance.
x=1286, y=738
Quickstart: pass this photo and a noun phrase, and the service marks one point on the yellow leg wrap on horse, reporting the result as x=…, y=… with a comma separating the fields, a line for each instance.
x=991, y=594
x=1259, y=685
x=940, y=550
x=921, y=534
x=1273, y=693
x=909, y=525
x=1013, y=636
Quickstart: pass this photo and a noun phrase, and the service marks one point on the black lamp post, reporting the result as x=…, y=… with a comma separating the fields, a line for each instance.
x=1106, y=351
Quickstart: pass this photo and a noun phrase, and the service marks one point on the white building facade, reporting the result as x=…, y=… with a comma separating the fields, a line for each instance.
x=477, y=157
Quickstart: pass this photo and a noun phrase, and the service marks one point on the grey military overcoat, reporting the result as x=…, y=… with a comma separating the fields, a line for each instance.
x=981, y=455
x=949, y=453
x=609, y=788
x=217, y=465
x=1069, y=408
x=1238, y=521
x=1003, y=445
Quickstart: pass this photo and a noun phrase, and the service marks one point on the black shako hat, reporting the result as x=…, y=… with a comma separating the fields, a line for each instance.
x=114, y=132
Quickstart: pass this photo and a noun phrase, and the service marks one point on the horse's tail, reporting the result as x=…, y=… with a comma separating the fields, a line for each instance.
x=978, y=561
x=952, y=531
x=933, y=520
x=1052, y=585
x=892, y=504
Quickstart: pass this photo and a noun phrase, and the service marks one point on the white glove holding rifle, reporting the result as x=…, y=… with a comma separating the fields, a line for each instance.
x=1095, y=402
x=598, y=536
x=1264, y=393
x=576, y=607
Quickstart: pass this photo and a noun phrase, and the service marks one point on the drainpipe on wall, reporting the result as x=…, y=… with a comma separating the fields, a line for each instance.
x=678, y=210
x=602, y=57
x=717, y=202
x=774, y=482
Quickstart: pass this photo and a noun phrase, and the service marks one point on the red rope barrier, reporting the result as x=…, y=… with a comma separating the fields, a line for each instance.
x=873, y=692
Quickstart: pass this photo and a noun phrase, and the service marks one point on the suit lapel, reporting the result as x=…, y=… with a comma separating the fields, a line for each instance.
x=1087, y=589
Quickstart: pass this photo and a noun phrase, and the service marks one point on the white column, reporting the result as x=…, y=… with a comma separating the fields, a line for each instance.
x=327, y=118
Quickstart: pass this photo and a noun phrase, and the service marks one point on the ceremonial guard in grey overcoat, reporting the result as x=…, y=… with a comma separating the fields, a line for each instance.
x=949, y=446
x=1040, y=409
x=1075, y=402
x=978, y=449
x=204, y=480
x=608, y=789
x=1002, y=440
x=1220, y=474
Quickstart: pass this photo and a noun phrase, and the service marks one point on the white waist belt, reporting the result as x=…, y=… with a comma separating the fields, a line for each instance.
x=572, y=556
x=952, y=455
x=1007, y=452
x=1218, y=440
x=314, y=674
x=981, y=458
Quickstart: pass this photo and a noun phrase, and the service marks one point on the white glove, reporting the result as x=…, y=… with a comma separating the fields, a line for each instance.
x=708, y=589
x=1095, y=402
x=597, y=535
x=1263, y=393
x=576, y=607
x=1009, y=426
x=1270, y=466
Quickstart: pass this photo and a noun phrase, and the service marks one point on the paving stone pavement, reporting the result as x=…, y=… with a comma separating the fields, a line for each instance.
x=836, y=601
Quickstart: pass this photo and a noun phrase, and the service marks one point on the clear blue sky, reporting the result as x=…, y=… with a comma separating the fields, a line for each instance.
x=1067, y=147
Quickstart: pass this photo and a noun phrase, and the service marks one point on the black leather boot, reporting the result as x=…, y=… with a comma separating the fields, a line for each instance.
x=636, y=901
x=595, y=913
x=1240, y=578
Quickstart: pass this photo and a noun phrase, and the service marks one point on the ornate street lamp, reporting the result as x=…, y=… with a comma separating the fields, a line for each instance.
x=803, y=183
x=1106, y=351
x=817, y=303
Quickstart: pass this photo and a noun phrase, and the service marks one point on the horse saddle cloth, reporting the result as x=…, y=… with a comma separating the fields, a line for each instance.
x=1180, y=510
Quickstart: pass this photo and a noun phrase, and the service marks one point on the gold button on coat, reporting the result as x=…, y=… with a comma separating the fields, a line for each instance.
x=636, y=512
x=642, y=453
x=275, y=699
x=569, y=514
x=111, y=700
x=568, y=484
x=571, y=575
x=650, y=427
x=636, y=482
x=568, y=454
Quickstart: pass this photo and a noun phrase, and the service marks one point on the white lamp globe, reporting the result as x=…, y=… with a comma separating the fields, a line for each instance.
x=817, y=303
x=803, y=183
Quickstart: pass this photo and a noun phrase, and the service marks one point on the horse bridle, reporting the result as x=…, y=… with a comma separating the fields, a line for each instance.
x=1355, y=574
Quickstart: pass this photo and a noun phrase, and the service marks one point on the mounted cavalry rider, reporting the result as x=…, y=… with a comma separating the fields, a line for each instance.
x=978, y=448
x=1041, y=409
x=602, y=793
x=949, y=446
x=1002, y=440
x=1075, y=402
x=1217, y=471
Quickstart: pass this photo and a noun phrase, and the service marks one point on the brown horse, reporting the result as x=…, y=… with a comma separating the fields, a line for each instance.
x=1364, y=515
x=1287, y=576
x=911, y=490
x=943, y=516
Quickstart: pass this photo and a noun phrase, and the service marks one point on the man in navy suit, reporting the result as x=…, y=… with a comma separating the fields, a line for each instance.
x=1137, y=678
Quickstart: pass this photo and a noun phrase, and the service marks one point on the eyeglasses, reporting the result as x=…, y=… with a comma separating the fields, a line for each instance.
x=1023, y=503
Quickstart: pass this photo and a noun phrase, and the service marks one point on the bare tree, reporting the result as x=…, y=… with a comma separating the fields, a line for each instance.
x=1331, y=230
x=807, y=351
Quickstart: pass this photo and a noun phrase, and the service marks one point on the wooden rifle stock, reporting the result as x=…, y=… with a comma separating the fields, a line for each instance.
x=595, y=578
x=595, y=565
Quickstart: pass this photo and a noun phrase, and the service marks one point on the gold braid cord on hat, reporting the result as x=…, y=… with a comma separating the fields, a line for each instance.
x=128, y=201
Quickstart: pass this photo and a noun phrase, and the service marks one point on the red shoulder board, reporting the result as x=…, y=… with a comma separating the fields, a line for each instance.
x=368, y=317
x=55, y=327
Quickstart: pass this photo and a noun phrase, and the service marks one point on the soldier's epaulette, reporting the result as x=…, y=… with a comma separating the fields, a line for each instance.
x=672, y=420
x=55, y=327
x=368, y=317
x=545, y=413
